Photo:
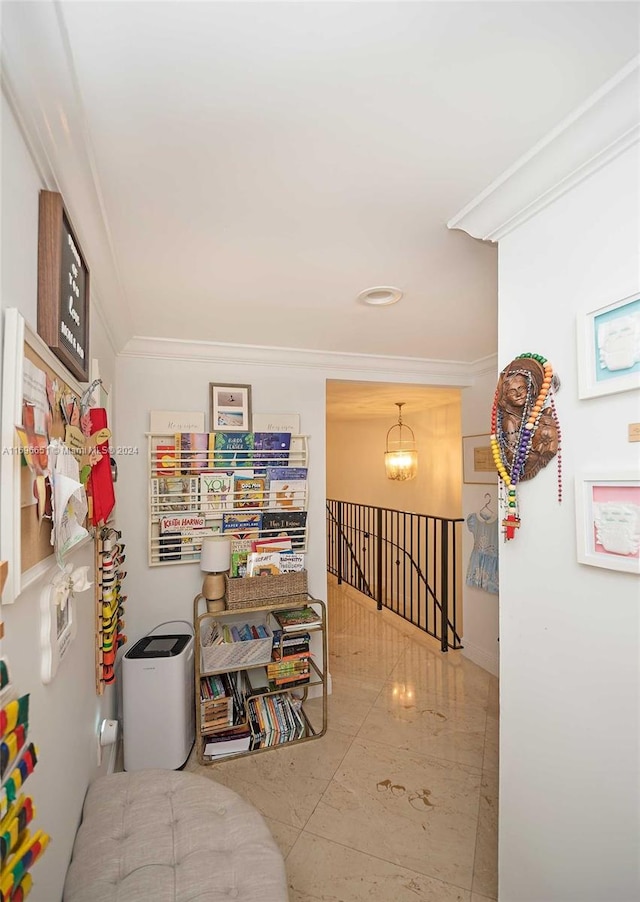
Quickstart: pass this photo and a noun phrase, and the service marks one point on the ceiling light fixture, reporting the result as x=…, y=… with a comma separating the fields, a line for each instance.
x=381, y=296
x=401, y=455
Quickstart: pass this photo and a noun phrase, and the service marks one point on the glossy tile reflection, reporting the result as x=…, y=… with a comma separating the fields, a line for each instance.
x=399, y=801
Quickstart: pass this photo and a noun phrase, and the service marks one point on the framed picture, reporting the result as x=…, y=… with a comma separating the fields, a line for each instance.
x=477, y=460
x=608, y=521
x=230, y=408
x=609, y=349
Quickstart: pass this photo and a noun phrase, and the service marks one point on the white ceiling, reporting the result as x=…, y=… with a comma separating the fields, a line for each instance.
x=259, y=164
x=372, y=400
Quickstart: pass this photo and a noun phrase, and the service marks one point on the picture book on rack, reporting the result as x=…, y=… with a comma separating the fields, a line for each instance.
x=275, y=448
x=241, y=525
x=174, y=493
x=193, y=451
x=289, y=523
x=287, y=494
x=249, y=491
x=233, y=450
x=216, y=490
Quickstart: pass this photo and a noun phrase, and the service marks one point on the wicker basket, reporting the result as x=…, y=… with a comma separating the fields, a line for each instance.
x=233, y=655
x=265, y=591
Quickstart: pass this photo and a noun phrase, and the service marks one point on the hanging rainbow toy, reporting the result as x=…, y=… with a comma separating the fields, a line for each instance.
x=525, y=432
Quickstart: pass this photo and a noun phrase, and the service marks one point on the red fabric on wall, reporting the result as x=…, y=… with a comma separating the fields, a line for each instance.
x=100, y=483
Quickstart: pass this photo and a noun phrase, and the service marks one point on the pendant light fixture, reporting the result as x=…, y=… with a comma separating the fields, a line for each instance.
x=401, y=455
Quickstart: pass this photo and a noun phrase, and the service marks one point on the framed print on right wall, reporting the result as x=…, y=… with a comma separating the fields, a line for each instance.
x=477, y=460
x=608, y=521
x=609, y=349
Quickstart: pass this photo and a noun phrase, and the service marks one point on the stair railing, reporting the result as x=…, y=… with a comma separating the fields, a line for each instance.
x=408, y=563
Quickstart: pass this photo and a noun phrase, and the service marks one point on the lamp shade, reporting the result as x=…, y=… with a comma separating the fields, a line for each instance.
x=401, y=464
x=215, y=556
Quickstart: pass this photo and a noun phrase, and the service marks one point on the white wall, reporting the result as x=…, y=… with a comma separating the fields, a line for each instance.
x=569, y=633
x=355, y=462
x=166, y=592
x=480, y=608
x=63, y=716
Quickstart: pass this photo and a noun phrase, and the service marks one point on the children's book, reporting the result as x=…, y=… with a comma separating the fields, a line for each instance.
x=271, y=449
x=286, y=473
x=263, y=564
x=240, y=549
x=232, y=450
x=165, y=458
x=291, y=563
x=291, y=620
x=285, y=523
x=272, y=543
x=249, y=491
x=216, y=490
x=287, y=494
x=192, y=449
x=169, y=547
x=174, y=493
x=242, y=525
x=186, y=524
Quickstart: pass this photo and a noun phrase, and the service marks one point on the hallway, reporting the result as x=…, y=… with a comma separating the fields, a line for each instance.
x=398, y=801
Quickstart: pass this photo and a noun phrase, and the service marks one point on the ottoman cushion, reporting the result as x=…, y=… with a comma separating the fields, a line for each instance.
x=167, y=836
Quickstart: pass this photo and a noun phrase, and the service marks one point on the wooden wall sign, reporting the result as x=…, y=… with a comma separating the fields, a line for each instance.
x=63, y=287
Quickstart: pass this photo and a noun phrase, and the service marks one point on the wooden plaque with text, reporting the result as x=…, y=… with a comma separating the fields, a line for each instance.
x=63, y=287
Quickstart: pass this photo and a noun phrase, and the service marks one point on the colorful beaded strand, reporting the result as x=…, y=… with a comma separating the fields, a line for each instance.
x=521, y=448
x=559, y=452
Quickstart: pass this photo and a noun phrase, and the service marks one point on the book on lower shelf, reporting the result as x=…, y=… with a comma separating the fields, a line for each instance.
x=222, y=703
x=274, y=719
x=221, y=746
x=297, y=617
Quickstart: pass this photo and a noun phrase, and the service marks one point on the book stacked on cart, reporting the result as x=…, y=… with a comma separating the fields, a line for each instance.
x=296, y=619
x=290, y=665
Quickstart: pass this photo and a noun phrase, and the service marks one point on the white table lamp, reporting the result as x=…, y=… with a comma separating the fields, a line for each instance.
x=215, y=560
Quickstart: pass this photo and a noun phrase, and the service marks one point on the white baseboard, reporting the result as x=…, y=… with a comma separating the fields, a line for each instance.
x=481, y=657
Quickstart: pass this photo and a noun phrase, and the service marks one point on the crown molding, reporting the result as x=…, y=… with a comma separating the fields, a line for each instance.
x=46, y=102
x=432, y=372
x=604, y=126
x=485, y=366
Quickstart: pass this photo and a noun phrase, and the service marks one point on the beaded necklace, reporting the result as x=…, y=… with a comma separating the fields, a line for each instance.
x=511, y=447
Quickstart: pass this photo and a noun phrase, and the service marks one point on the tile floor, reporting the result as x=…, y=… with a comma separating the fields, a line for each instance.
x=398, y=801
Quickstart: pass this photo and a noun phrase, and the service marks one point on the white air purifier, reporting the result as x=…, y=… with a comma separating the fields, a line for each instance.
x=158, y=702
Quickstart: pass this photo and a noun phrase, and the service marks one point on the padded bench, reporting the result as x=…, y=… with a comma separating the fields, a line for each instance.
x=169, y=836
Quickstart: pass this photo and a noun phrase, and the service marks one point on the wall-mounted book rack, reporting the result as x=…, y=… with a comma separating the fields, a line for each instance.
x=204, y=484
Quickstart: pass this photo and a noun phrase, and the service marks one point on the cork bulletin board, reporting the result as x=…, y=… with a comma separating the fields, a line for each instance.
x=25, y=541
